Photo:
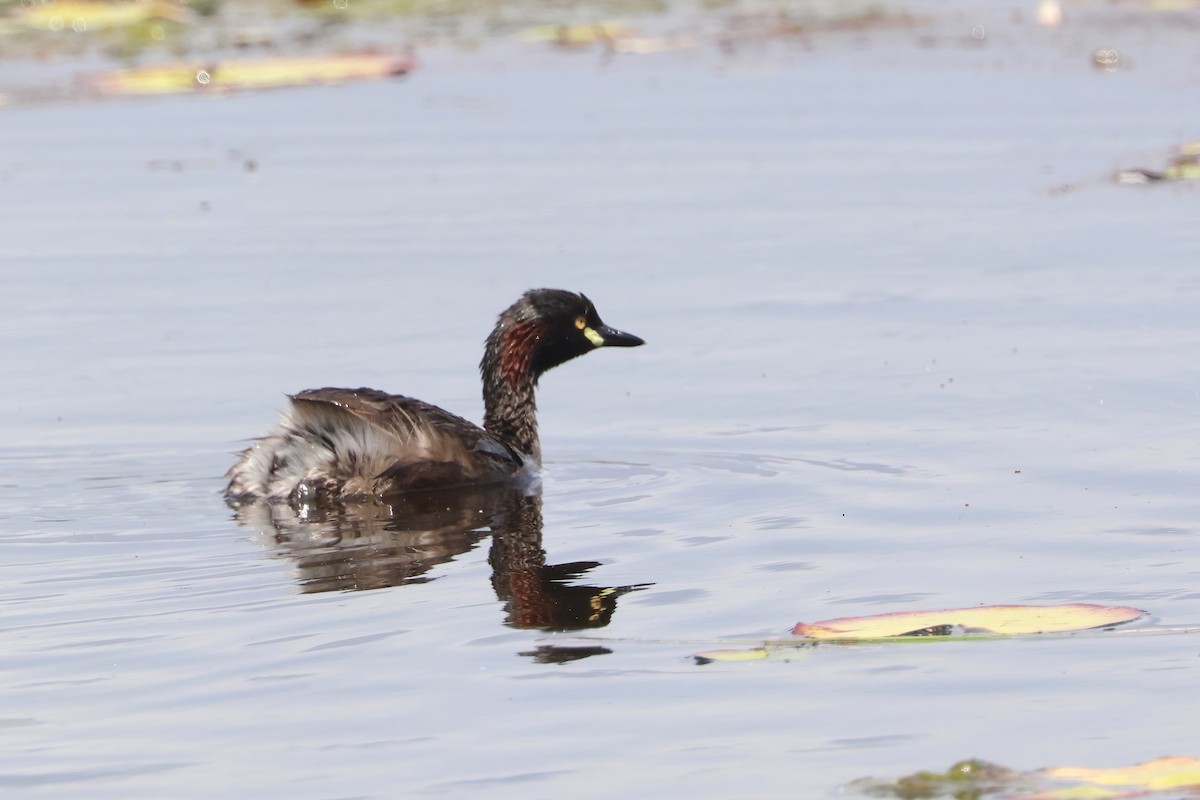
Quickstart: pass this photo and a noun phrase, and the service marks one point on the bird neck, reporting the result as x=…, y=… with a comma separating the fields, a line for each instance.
x=509, y=381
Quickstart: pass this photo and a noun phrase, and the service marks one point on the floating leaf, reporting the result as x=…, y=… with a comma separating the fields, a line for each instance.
x=974, y=778
x=1169, y=772
x=267, y=73
x=83, y=16
x=576, y=35
x=1010, y=620
x=1182, y=170
x=968, y=778
x=1183, y=166
x=754, y=654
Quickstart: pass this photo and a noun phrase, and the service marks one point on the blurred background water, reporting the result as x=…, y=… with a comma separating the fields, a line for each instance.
x=909, y=346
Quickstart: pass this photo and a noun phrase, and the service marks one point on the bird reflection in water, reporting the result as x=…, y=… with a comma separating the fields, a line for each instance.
x=377, y=543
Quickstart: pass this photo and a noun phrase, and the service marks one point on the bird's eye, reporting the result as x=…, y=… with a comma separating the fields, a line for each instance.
x=581, y=322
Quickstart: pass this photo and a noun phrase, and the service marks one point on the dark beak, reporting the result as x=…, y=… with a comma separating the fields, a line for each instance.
x=615, y=338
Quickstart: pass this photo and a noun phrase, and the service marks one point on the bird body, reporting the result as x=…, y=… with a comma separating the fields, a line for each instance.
x=335, y=444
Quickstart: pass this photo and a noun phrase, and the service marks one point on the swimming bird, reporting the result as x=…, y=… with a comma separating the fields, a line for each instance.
x=335, y=444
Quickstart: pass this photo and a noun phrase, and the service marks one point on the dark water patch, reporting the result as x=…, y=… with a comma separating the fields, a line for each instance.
x=786, y=566
x=281, y=640
x=32, y=780
x=105, y=644
x=640, y=532
x=779, y=523
x=870, y=742
x=50, y=684
x=887, y=669
x=701, y=541
x=672, y=597
x=858, y=466
x=18, y=722
x=496, y=783
x=898, y=599
x=279, y=678
x=615, y=501
x=1149, y=597
x=355, y=641
x=375, y=745
x=1154, y=531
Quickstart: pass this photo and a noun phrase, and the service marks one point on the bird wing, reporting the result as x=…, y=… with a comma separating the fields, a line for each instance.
x=398, y=438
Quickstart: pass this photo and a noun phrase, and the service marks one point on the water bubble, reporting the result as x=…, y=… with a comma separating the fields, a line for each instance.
x=341, y=4
x=203, y=78
x=978, y=32
x=1106, y=59
x=80, y=25
x=56, y=24
x=157, y=33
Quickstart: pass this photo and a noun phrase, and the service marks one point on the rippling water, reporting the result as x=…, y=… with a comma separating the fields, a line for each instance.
x=892, y=363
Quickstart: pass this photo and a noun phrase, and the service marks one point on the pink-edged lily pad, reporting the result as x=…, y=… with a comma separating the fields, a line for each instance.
x=1159, y=774
x=1011, y=620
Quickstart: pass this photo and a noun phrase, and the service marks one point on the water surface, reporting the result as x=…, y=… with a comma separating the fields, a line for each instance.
x=907, y=348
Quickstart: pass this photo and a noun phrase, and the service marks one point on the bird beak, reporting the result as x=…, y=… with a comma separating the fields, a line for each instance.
x=604, y=336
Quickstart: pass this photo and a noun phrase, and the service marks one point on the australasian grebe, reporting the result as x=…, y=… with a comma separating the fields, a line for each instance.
x=342, y=443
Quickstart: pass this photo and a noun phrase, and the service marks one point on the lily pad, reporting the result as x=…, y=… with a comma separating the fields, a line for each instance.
x=973, y=779
x=577, y=35
x=969, y=779
x=265, y=73
x=1009, y=620
x=1159, y=774
x=85, y=16
x=753, y=654
x=1183, y=166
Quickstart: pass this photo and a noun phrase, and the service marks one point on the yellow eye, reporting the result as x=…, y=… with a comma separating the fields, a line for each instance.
x=581, y=322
